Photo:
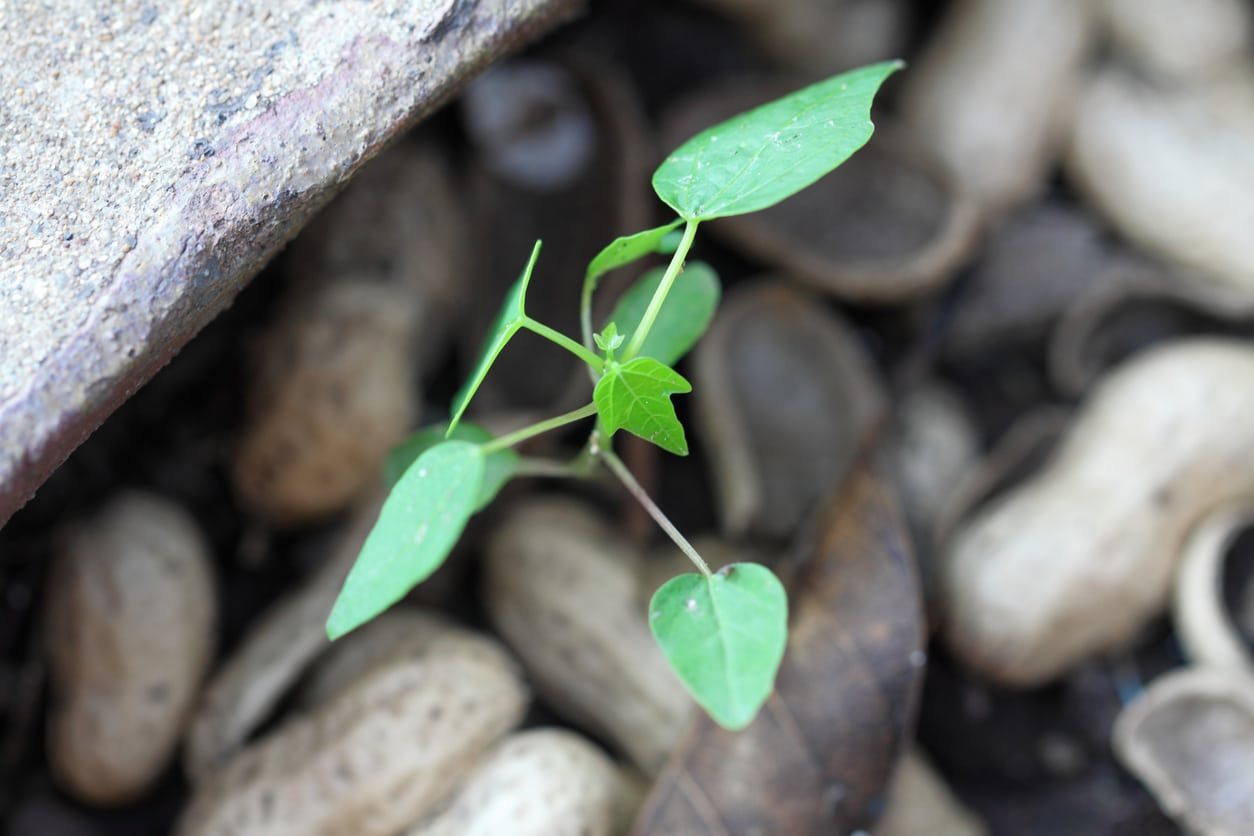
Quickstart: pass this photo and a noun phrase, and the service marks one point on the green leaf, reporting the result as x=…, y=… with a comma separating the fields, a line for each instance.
x=684, y=316
x=628, y=248
x=609, y=339
x=767, y=154
x=635, y=396
x=508, y=322
x=418, y=526
x=498, y=467
x=725, y=636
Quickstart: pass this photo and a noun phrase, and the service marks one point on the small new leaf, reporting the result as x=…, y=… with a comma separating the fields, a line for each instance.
x=770, y=153
x=508, y=322
x=498, y=467
x=686, y=313
x=418, y=526
x=628, y=248
x=725, y=636
x=636, y=396
x=609, y=339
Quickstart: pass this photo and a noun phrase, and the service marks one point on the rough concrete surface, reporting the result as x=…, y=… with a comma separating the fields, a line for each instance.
x=153, y=156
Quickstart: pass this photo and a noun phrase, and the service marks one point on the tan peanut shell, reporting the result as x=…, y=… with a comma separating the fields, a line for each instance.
x=1078, y=558
x=131, y=610
x=1106, y=319
x=332, y=393
x=561, y=588
x=1209, y=631
x=379, y=756
x=1171, y=169
x=820, y=37
x=373, y=285
x=542, y=782
x=273, y=654
x=401, y=631
x=919, y=802
x=1189, y=738
x=1179, y=39
x=770, y=375
x=935, y=444
x=400, y=221
x=993, y=88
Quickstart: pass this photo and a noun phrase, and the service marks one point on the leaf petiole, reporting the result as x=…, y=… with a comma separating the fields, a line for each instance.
x=622, y=250
x=659, y=296
x=620, y=470
x=539, y=428
x=555, y=336
x=554, y=468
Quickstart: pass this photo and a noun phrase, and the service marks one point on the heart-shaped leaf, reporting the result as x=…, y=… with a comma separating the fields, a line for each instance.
x=725, y=636
x=628, y=248
x=636, y=396
x=418, y=526
x=684, y=316
x=761, y=157
x=508, y=322
x=845, y=697
x=498, y=467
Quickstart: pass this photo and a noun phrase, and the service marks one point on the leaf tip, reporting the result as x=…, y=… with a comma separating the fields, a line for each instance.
x=885, y=68
x=350, y=612
x=737, y=721
x=339, y=624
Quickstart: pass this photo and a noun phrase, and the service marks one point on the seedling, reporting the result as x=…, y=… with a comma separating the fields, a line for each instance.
x=723, y=632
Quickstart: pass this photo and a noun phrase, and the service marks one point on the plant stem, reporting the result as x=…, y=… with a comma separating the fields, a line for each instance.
x=553, y=335
x=585, y=309
x=532, y=466
x=659, y=296
x=519, y=436
x=620, y=470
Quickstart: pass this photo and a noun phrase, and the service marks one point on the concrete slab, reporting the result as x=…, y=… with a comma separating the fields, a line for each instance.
x=154, y=156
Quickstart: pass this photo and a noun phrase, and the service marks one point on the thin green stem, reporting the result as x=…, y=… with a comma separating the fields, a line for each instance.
x=519, y=436
x=585, y=354
x=620, y=470
x=585, y=308
x=659, y=296
x=532, y=466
